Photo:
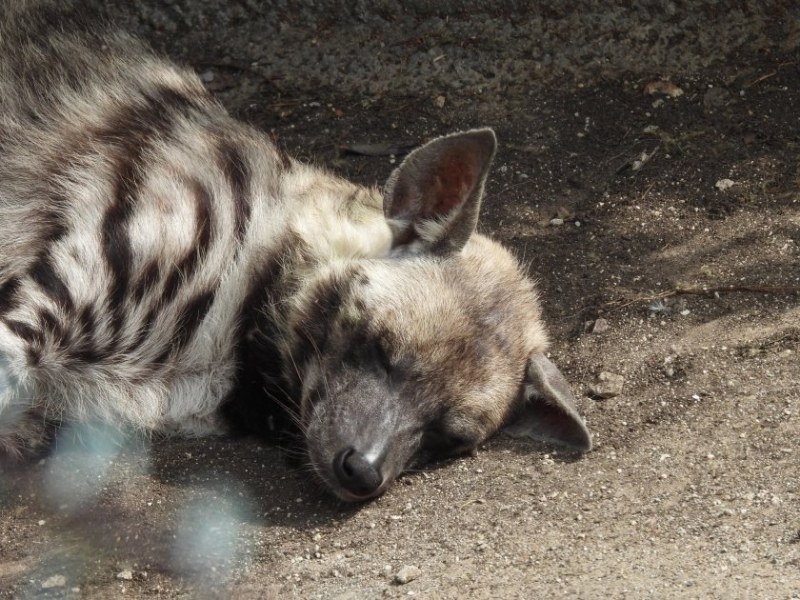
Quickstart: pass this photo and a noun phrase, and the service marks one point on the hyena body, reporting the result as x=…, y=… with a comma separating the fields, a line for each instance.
x=164, y=267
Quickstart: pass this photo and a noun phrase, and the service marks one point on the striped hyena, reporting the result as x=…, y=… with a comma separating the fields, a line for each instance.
x=164, y=267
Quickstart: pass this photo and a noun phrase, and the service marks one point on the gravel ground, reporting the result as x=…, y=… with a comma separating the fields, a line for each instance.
x=380, y=48
x=648, y=173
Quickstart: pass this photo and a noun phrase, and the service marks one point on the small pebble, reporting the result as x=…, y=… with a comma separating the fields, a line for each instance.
x=54, y=582
x=125, y=574
x=724, y=184
x=608, y=385
x=407, y=574
x=664, y=87
x=600, y=326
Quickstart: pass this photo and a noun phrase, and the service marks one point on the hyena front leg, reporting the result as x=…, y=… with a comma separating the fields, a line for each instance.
x=20, y=426
x=193, y=405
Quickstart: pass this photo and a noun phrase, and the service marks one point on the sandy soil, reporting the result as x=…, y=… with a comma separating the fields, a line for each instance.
x=655, y=268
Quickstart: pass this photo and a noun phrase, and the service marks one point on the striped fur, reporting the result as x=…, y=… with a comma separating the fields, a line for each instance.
x=165, y=268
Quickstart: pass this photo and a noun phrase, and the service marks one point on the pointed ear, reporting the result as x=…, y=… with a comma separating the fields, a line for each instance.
x=432, y=199
x=548, y=408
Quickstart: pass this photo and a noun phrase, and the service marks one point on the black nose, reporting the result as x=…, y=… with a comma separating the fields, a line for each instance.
x=355, y=473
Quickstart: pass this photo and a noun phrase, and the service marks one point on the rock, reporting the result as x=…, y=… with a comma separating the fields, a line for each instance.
x=54, y=581
x=439, y=101
x=643, y=159
x=407, y=574
x=600, y=326
x=667, y=88
x=724, y=184
x=706, y=270
x=125, y=574
x=556, y=222
x=608, y=385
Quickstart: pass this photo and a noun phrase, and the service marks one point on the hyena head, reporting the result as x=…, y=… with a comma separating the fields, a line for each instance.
x=428, y=351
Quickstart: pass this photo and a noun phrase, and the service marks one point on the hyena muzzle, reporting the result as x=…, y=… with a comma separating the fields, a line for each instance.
x=166, y=268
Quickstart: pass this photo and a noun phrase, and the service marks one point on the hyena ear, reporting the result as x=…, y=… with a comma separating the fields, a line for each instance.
x=548, y=408
x=432, y=199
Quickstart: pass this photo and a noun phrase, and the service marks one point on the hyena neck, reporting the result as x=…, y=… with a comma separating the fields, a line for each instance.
x=335, y=219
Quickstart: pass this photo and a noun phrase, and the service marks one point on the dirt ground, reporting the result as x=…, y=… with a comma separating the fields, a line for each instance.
x=664, y=229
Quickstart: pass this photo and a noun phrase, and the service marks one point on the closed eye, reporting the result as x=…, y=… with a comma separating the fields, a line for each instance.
x=439, y=443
